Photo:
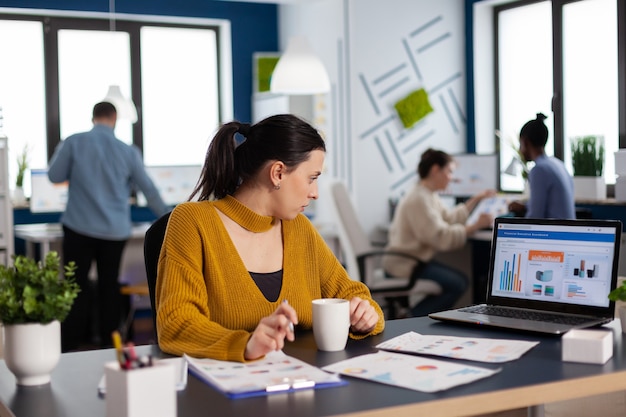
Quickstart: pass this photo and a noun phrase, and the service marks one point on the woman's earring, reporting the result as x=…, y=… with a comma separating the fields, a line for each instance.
x=277, y=186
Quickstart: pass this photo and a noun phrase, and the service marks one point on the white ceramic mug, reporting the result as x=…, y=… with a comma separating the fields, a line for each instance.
x=331, y=323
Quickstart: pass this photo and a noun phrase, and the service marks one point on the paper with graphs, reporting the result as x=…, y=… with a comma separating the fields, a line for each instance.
x=408, y=371
x=468, y=348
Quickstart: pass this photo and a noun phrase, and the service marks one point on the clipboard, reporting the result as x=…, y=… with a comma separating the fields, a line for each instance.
x=275, y=373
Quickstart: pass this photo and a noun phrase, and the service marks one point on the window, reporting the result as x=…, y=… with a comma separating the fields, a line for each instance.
x=90, y=61
x=560, y=58
x=590, y=92
x=524, y=77
x=22, y=93
x=188, y=101
x=63, y=65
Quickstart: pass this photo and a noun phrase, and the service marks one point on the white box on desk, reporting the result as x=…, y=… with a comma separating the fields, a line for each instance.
x=141, y=392
x=620, y=162
x=620, y=188
x=587, y=346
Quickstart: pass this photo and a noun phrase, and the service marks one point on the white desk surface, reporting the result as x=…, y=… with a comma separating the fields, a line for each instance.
x=47, y=234
x=50, y=232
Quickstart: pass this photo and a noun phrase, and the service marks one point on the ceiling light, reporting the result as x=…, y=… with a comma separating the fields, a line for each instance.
x=299, y=71
x=125, y=107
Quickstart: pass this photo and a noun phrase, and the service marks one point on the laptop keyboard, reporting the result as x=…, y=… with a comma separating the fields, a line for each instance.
x=525, y=314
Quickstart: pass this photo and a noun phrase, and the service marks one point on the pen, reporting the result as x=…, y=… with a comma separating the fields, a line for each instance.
x=117, y=343
x=291, y=329
x=131, y=349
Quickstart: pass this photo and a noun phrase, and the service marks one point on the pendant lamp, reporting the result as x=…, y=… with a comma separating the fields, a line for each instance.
x=514, y=167
x=125, y=107
x=299, y=71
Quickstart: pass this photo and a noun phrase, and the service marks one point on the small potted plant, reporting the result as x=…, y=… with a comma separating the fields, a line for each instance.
x=588, y=165
x=22, y=166
x=619, y=294
x=34, y=298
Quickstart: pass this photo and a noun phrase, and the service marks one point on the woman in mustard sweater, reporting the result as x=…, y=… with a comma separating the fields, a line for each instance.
x=231, y=260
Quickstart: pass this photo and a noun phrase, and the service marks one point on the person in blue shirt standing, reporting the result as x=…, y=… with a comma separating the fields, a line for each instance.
x=101, y=171
x=551, y=186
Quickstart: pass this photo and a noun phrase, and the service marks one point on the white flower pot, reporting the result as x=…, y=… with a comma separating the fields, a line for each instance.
x=622, y=317
x=589, y=188
x=32, y=351
x=19, y=199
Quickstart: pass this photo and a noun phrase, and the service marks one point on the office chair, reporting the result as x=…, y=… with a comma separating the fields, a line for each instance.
x=151, y=251
x=363, y=261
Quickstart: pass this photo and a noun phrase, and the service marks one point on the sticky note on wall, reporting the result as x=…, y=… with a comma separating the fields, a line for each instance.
x=413, y=108
x=265, y=68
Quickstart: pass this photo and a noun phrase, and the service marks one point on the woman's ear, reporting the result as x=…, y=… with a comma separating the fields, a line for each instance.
x=277, y=169
x=434, y=170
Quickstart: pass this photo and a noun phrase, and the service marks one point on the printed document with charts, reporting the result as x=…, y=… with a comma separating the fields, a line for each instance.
x=276, y=372
x=468, y=348
x=409, y=371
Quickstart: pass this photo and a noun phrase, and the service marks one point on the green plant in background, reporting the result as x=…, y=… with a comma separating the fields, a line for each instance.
x=34, y=292
x=619, y=293
x=22, y=166
x=588, y=156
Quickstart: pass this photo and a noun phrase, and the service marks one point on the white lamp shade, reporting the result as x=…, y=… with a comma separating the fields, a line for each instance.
x=125, y=107
x=299, y=71
x=514, y=167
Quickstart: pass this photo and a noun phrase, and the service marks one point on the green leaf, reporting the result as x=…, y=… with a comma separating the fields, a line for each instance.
x=588, y=156
x=32, y=292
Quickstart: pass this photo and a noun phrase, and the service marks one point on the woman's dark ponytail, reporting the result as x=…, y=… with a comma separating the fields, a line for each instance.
x=218, y=177
x=229, y=162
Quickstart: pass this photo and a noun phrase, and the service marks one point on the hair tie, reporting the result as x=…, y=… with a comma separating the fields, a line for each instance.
x=244, y=129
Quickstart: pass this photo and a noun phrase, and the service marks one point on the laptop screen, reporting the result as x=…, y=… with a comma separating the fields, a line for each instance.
x=554, y=262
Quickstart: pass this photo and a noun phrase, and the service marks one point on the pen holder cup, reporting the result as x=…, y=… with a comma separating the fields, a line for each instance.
x=140, y=392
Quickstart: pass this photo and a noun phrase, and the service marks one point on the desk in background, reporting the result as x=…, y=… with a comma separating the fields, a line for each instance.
x=538, y=377
x=48, y=234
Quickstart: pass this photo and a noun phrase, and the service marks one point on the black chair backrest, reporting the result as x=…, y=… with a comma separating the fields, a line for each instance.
x=151, y=251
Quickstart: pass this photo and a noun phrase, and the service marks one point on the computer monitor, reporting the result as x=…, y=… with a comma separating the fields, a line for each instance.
x=175, y=183
x=46, y=197
x=473, y=174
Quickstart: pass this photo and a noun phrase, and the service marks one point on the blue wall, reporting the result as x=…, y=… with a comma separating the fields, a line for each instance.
x=469, y=71
x=254, y=28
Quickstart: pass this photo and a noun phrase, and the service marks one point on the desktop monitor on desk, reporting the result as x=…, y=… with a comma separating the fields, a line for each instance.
x=175, y=183
x=46, y=196
x=473, y=174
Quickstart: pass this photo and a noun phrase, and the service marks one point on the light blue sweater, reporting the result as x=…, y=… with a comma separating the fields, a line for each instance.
x=551, y=190
x=101, y=171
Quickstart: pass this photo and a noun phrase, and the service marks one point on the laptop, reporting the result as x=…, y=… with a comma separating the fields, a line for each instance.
x=547, y=276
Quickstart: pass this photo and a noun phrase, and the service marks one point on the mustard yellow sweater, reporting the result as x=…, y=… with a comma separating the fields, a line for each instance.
x=207, y=303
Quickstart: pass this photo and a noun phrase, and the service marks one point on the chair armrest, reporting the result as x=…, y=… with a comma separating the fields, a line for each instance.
x=361, y=258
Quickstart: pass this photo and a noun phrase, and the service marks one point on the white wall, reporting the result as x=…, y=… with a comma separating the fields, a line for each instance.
x=397, y=47
x=376, y=53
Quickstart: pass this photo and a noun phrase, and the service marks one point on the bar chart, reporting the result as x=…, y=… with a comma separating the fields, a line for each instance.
x=510, y=274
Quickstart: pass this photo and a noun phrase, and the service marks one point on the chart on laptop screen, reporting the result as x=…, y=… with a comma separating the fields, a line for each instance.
x=552, y=263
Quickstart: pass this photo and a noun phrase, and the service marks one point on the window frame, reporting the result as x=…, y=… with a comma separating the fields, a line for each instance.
x=53, y=21
x=559, y=142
